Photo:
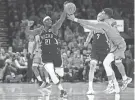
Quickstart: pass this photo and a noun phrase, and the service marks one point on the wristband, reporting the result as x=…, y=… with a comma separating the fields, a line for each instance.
x=76, y=20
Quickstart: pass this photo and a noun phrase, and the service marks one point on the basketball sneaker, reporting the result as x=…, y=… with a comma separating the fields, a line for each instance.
x=41, y=84
x=63, y=94
x=113, y=89
x=125, y=83
x=47, y=85
x=110, y=88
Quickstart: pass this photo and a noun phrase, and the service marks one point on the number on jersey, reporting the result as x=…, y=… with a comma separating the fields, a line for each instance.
x=98, y=35
x=47, y=42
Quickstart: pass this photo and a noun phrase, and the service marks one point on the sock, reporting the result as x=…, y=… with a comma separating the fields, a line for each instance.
x=124, y=77
x=110, y=81
x=90, y=85
x=39, y=78
x=60, y=87
x=115, y=82
x=47, y=80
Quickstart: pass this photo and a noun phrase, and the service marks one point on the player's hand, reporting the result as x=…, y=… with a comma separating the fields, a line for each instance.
x=66, y=2
x=71, y=17
x=42, y=27
x=30, y=23
x=85, y=44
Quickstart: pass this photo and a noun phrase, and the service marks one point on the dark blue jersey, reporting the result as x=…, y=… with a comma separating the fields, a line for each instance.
x=49, y=42
x=100, y=42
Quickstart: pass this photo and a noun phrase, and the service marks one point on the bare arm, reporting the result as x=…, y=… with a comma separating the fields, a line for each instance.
x=59, y=23
x=86, y=22
x=90, y=35
x=33, y=32
x=91, y=27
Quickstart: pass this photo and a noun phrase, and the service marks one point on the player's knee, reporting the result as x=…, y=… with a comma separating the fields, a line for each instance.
x=49, y=68
x=106, y=63
x=60, y=72
x=34, y=66
x=118, y=62
x=93, y=63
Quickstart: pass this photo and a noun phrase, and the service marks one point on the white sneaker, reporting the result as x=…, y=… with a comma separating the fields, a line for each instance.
x=114, y=89
x=90, y=92
x=125, y=83
x=109, y=87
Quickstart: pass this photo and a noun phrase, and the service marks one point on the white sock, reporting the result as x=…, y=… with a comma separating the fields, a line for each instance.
x=90, y=85
x=47, y=80
x=110, y=81
x=124, y=77
x=39, y=78
x=60, y=87
x=115, y=82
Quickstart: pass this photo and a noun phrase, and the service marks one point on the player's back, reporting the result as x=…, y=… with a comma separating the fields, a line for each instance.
x=113, y=32
x=115, y=39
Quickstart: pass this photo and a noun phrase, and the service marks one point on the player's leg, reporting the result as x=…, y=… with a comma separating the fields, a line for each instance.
x=93, y=64
x=37, y=74
x=59, y=70
x=50, y=69
x=45, y=76
x=110, y=74
x=121, y=68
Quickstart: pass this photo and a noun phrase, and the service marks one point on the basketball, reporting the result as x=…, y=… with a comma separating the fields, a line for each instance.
x=70, y=8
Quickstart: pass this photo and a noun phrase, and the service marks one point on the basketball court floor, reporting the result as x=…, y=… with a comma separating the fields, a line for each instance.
x=76, y=91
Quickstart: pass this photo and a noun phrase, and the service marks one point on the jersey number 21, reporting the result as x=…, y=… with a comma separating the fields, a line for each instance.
x=47, y=41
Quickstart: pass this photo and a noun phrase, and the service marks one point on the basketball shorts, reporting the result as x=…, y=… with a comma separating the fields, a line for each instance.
x=119, y=52
x=37, y=59
x=99, y=55
x=55, y=58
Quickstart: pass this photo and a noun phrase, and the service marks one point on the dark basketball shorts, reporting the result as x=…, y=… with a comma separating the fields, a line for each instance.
x=55, y=58
x=99, y=55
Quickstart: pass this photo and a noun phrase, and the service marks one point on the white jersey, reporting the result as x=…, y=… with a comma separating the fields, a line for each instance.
x=37, y=44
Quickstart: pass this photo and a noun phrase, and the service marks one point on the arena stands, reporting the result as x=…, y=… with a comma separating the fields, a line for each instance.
x=72, y=36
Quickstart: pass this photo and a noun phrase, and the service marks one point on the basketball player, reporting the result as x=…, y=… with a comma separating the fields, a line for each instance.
x=100, y=49
x=51, y=55
x=37, y=62
x=117, y=48
x=37, y=55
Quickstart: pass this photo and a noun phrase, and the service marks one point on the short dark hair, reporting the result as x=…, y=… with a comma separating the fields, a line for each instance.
x=108, y=11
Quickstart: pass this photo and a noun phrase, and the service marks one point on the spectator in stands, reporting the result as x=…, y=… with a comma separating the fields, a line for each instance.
x=23, y=8
x=129, y=60
x=68, y=35
x=91, y=13
x=18, y=44
x=11, y=74
x=34, y=18
x=78, y=65
x=2, y=63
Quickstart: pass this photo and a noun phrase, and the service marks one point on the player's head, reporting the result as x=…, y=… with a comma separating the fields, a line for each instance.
x=100, y=17
x=47, y=21
x=107, y=13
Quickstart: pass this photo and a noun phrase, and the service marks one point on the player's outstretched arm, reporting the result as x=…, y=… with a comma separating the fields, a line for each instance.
x=32, y=32
x=86, y=22
x=59, y=23
x=88, y=39
x=90, y=27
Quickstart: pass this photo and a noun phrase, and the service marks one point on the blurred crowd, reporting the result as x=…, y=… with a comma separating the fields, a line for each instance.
x=14, y=61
